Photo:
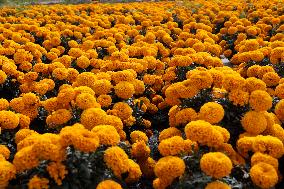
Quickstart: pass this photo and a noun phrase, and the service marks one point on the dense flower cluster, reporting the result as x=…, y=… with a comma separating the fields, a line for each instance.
x=158, y=95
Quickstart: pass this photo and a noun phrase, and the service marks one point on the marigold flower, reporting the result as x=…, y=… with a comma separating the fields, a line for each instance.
x=57, y=171
x=260, y=100
x=8, y=120
x=7, y=172
x=233, y=81
x=104, y=100
x=124, y=90
x=279, y=110
x=86, y=100
x=168, y=168
x=123, y=110
x=137, y=136
x=268, y=144
x=84, y=89
x=217, y=185
x=92, y=117
x=38, y=183
x=3, y=77
x=203, y=133
x=134, y=171
x=279, y=91
x=263, y=70
x=117, y=160
x=140, y=150
x=171, y=146
x=253, y=84
x=211, y=112
x=58, y=117
x=25, y=159
x=254, y=122
x=108, y=184
x=30, y=99
x=225, y=132
x=168, y=133
x=24, y=121
x=239, y=97
x=216, y=164
x=271, y=79
x=60, y=73
x=4, y=104
x=253, y=71
x=260, y=157
x=83, y=62
x=102, y=86
x=264, y=175
x=277, y=131
x=65, y=96
x=107, y=134
x=22, y=134
x=4, y=151
x=200, y=79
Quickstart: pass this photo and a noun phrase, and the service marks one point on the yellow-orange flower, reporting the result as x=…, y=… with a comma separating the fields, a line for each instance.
x=216, y=164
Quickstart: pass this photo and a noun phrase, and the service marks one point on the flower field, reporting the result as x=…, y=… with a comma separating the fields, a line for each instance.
x=162, y=95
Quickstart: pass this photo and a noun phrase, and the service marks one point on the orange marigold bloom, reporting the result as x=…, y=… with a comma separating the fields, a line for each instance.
x=124, y=90
x=3, y=77
x=171, y=146
x=92, y=117
x=271, y=79
x=217, y=185
x=83, y=62
x=102, y=86
x=117, y=160
x=279, y=91
x=260, y=100
x=211, y=112
x=123, y=110
x=8, y=120
x=104, y=100
x=138, y=136
x=200, y=79
x=168, y=168
x=108, y=184
x=260, y=157
x=107, y=134
x=239, y=97
x=279, y=110
x=203, y=133
x=4, y=104
x=168, y=133
x=264, y=175
x=253, y=84
x=254, y=122
x=38, y=183
x=60, y=73
x=57, y=171
x=4, y=151
x=216, y=164
x=7, y=172
x=59, y=117
x=86, y=100
x=268, y=144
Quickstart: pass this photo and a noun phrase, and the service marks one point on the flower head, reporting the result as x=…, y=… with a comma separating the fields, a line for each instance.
x=260, y=100
x=216, y=164
x=117, y=160
x=107, y=134
x=108, y=184
x=264, y=175
x=211, y=112
x=254, y=122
